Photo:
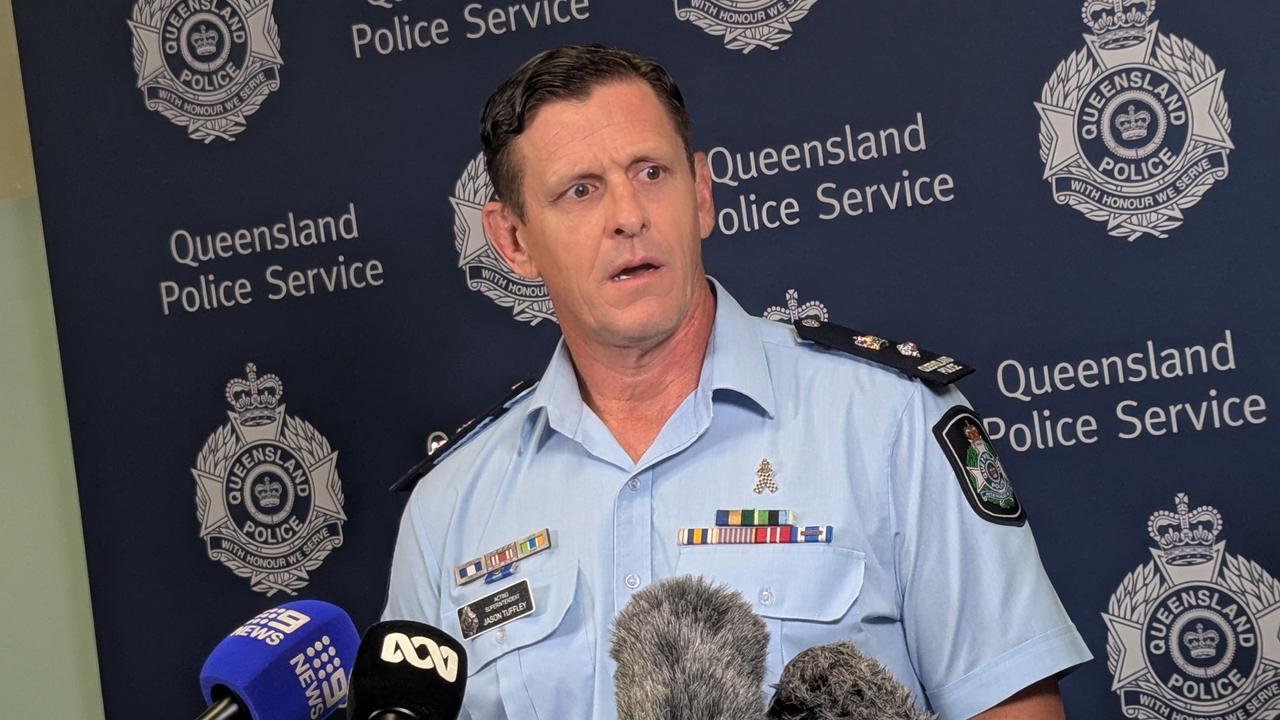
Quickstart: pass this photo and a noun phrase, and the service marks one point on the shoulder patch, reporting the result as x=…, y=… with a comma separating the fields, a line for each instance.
x=904, y=356
x=977, y=466
x=438, y=449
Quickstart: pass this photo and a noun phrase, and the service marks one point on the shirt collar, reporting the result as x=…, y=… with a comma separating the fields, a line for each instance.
x=735, y=361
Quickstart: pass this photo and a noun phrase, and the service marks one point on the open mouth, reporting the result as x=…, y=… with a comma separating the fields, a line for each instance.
x=633, y=271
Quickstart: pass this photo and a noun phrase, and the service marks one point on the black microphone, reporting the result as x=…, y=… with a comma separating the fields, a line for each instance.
x=688, y=650
x=406, y=670
x=838, y=682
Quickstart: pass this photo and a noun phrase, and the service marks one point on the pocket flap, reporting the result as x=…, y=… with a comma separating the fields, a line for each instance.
x=814, y=582
x=552, y=590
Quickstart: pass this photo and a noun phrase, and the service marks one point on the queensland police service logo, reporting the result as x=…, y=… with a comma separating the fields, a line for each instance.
x=205, y=64
x=485, y=270
x=745, y=24
x=268, y=495
x=1133, y=126
x=1195, y=632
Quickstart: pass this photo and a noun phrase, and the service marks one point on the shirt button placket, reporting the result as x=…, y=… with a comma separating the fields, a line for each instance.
x=633, y=528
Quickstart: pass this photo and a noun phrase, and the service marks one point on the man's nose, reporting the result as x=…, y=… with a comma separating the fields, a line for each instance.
x=630, y=219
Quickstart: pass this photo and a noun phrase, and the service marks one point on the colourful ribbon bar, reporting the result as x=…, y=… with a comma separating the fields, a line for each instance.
x=754, y=518
x=489, y=564
x=781, y=534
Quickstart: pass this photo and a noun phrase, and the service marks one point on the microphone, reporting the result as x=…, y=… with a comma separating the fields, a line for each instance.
x=287, y=663
x=838, y=682
x=688, y=650
x=407, y=671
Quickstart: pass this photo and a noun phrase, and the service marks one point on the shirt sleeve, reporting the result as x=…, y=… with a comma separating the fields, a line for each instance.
x=413, y=591
x=982, y=621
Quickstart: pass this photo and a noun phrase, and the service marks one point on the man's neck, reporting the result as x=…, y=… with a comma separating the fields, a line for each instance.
x=635, y=390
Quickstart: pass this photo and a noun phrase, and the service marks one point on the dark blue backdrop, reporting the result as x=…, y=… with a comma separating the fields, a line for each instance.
x=1001, y=275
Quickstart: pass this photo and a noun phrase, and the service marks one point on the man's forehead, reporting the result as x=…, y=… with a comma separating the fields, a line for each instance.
x=624, y=111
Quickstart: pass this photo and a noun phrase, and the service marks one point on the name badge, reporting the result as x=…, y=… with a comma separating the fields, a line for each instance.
x=496, y=609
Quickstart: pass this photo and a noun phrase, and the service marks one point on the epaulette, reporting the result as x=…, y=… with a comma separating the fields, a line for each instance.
x=437, y=449
x=905, y=357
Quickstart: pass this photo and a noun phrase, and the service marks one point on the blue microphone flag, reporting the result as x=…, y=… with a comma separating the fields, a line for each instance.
x=289, y=662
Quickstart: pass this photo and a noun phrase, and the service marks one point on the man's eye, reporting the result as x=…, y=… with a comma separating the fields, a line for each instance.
x=580, y=191
x=653, y=172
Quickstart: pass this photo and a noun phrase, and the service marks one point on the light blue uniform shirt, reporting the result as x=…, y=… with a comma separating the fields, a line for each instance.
x=957, y=607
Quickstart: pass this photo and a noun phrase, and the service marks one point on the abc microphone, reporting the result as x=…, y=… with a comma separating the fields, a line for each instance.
x=287, y=663
x=838, y=682
x=407, y=671
x=688, y=650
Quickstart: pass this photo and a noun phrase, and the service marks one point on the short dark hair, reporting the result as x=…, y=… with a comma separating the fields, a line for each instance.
x=570, y=72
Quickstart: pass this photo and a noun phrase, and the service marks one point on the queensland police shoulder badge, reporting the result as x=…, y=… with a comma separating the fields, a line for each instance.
x=977, y=466
x=1133, y=126
x=206, y=65
x=745, y=24
x=1195, y=632
x=268, y=495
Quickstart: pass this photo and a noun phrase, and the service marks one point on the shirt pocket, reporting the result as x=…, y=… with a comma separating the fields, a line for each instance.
x=803, y=591
x=540, y=665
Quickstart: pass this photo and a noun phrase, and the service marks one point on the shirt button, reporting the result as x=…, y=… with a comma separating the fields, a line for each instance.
x=634, y=484
x=632, y=581
x=500, y=635
x=766, y=596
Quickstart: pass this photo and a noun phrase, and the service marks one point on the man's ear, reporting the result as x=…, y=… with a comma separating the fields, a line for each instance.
x=502, y=227
x=706, y=201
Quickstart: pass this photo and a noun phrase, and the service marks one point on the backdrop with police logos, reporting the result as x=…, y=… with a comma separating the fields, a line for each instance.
x=248, y=197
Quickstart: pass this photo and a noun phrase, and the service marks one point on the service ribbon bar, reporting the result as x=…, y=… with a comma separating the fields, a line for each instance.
x=491, y=563
x=782, y=534
x=534, y=544
x=754, y=518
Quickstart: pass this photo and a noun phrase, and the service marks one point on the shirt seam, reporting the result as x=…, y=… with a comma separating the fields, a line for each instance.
x=892, y=509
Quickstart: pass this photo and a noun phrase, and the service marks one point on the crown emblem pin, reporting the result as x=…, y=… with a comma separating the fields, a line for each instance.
x=1187, y=536
x=254, y=398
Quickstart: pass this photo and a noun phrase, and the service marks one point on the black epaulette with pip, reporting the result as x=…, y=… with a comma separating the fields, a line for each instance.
x=905, y=356
x=437, y=449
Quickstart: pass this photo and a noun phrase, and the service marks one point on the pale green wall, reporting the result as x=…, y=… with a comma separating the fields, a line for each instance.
x=48, y=663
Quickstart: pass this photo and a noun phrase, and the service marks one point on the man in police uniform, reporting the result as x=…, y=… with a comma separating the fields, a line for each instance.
x=666, y=402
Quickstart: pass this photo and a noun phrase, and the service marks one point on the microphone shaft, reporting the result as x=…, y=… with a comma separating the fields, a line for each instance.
x=228, y=708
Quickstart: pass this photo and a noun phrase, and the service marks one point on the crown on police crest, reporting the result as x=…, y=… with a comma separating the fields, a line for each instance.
x=1118, y=23
x=1201, y=643
x=205, y=41
x=255, y=398
x=1187, y=536
x=268, y=493
x=1132, y=123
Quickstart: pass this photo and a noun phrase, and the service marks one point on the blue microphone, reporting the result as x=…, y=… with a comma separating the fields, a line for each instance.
x=287, y=663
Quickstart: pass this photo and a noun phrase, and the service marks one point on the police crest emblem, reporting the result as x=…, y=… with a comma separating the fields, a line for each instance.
x=206, y=65
x=485, y=270
x=268, y=496
x=1194, y=632
x=1133, y=126
x=977, y=466
x=745, y=24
